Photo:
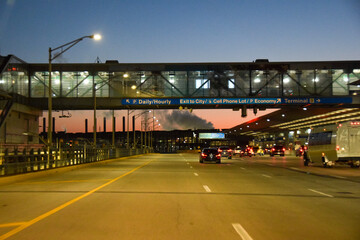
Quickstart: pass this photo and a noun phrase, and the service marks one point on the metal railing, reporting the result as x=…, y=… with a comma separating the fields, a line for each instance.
x=23, y=160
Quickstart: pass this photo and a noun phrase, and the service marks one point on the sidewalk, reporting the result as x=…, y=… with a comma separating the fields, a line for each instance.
x=338, y=171
x=294, y=163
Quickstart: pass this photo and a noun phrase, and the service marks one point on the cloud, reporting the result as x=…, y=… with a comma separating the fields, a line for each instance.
x=182, y=120
x=60, y=58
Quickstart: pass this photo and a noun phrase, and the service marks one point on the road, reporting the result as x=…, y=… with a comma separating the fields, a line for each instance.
x=173, y=196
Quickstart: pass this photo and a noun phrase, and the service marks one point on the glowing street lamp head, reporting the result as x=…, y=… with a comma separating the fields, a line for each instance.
x=96, y=36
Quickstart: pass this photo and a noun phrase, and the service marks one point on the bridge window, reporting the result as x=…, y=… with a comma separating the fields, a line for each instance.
x=199, y=83
x=231, y=84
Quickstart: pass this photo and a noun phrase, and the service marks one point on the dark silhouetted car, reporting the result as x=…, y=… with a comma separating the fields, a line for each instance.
x=277, y=150
x=249, y=151
x=300, y=151
x=225, y=151
x=267, y=150
x=210, y=154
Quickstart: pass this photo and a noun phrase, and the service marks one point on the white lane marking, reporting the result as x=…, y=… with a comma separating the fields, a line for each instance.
x=196, y=174
x=187, y=163
x=338, y=177
x=206, y=188
x=243, y=168
x=294, y=168
x=267, y=176
x=328, y=195
x=241, y=231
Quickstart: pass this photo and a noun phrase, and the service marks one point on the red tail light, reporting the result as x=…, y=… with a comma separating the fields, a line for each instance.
x=203, y=155
x=273, y=149
x=218, y=155
x=301, y=150
x=220, y=150
x=283, y=149
x=230, y=150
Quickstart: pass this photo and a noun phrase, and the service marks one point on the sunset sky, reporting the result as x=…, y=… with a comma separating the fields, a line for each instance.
x=143, y=31
x=220, y=119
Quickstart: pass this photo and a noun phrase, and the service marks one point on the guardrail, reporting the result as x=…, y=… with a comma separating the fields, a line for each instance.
x=15, y=161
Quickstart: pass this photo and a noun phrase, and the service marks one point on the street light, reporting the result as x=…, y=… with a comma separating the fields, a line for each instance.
x=63, y=49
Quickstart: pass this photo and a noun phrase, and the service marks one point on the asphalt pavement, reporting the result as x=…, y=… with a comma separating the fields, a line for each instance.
x=173, y=196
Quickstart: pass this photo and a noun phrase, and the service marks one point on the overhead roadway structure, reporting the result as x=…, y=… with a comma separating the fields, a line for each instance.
x=290, y=125
x=260, y=84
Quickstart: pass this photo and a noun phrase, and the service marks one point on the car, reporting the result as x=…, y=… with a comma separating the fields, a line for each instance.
x=267, y=150
x=300, y=151
x=258, y=151
x=210, y=154
x=239, y=151
x=225, y=151
x=277, y=150
x=249, y=151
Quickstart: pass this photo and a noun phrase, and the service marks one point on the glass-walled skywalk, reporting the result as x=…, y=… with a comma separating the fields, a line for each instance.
x=190, y=80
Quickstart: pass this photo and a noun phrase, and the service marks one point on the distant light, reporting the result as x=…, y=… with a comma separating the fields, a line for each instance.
x=133, y=87
x=345, y=78
x=268, y=120
x=96, y=37
x=286, y=80
x=125, y=75
x=283, y=115
x=316, y=79
x=257, y=80
x=304, y=108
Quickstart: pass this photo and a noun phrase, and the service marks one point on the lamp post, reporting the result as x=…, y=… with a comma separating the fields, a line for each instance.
x=95, y=120
x=63, y=48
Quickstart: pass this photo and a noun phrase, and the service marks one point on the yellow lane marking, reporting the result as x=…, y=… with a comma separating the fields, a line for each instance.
x=49, y=213
x=11, y=224
x=64, y=181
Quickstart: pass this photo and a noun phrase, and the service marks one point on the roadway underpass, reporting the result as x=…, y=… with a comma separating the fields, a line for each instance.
x=173, y=196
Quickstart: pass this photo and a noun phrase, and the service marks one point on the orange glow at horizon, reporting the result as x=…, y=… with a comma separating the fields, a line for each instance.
x=220, y=118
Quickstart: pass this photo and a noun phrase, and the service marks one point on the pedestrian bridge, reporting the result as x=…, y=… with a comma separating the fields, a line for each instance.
x=258, y=84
